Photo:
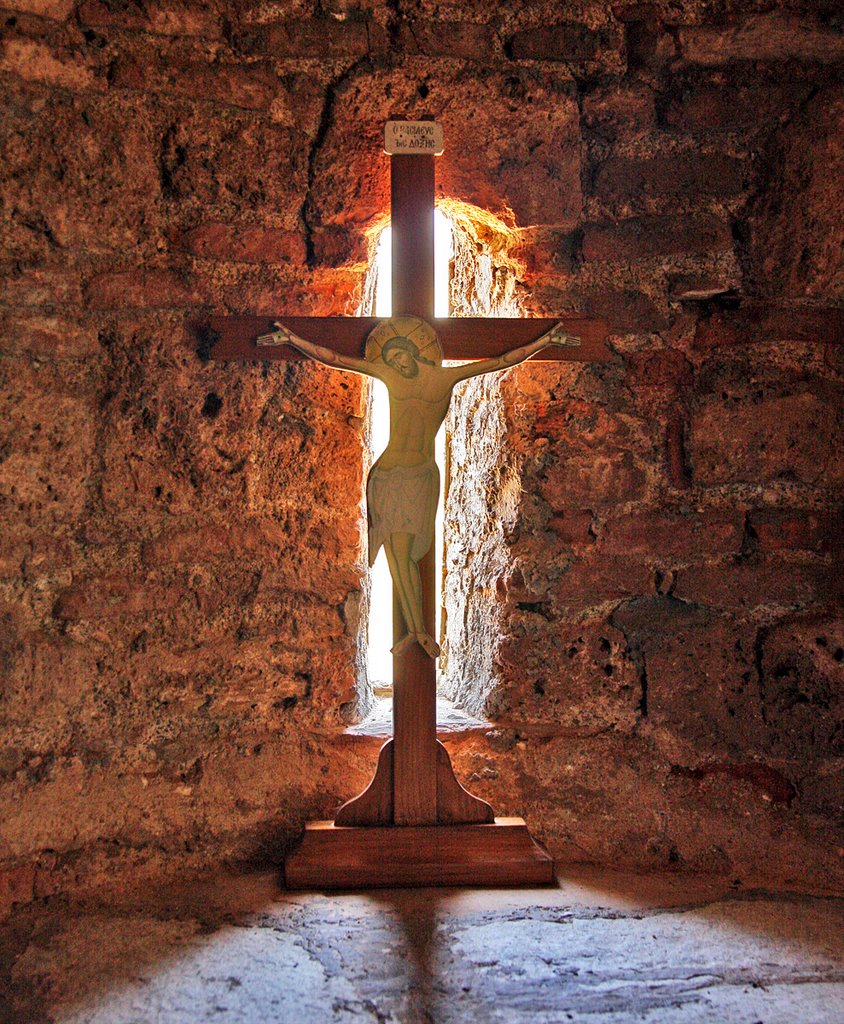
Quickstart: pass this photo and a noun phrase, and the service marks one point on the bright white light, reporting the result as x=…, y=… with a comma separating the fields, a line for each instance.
x=379, y=659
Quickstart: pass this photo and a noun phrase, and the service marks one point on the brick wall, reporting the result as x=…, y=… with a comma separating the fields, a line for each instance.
x=182, y=539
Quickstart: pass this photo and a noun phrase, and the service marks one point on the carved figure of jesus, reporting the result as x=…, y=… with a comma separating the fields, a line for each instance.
x=403, y=486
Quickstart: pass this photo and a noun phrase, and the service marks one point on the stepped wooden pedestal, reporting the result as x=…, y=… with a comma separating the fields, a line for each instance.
x=498, y=854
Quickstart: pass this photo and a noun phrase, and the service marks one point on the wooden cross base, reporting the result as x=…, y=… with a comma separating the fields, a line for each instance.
x=371, y=857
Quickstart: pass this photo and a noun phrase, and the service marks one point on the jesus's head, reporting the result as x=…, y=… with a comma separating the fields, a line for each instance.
x=403, y=356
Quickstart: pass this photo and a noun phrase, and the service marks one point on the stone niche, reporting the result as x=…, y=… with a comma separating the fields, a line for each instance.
x=647, y=610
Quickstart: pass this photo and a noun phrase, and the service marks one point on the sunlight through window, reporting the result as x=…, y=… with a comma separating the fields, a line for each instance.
x=379, y=659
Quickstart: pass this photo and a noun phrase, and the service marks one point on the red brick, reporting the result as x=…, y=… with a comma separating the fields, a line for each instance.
x=771, y=37
x=461, y=40
x=743, y=586
x=164, y=17
x=794, y=529
x=246, y=243
x=685, y=175
x=793, y=231
x=573, y=526
x=764, y=322
x=641, y=237
x=587, y=583
x=253, y=87
x=675, y=450
x=800, y=659
x=625, y=311
x=716, y=105
x=140, y=289
x=568, y=41
x=323, y=38
x=659, y=368
x=673, y=535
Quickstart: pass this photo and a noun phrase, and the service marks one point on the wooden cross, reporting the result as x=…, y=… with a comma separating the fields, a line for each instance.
x=414, y=824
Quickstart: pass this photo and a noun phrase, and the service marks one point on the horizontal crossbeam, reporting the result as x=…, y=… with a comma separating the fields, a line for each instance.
x=234, y=337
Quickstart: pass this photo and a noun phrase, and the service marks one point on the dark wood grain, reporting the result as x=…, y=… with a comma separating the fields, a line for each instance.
x=374, y=806
x=412, y=222
x=501, y=853
x=456, y=805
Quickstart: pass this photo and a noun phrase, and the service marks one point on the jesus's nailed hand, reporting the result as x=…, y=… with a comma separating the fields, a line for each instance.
x=559, y=337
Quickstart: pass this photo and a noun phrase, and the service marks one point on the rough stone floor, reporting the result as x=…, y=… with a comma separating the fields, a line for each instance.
x=600, y=948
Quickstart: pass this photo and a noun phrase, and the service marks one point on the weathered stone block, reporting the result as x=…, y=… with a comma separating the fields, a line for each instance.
x=790, y=437
x=757, y=322
x=48, y=439
x=49, y=337
x=701, y=685
x=252, y=87
x=117, y=597
x=718, y=102
x=588, y=583
x=95, y=189
x=163, y=17
x=641, y=237
x=141, y=289
x=596, y=480
x=572, y=678
x=692, y=174
x=325, y=38
x=625, y=311
x=459, y=40
x=612, y=111
x=249, y=243
x=659, y=368
x=774, y=37
x=793, y=223
x=663, y=535
x=792, y=529
x=744, y=586
x=56, y=9
x=567, y=41
x=212, y=165
x=802, y=679
x=574, y=526
x=39, y=62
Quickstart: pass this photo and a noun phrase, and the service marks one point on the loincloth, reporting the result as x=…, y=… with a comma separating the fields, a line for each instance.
x=402, y=500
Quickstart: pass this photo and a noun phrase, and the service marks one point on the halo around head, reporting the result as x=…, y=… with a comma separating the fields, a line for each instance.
x=421, y=333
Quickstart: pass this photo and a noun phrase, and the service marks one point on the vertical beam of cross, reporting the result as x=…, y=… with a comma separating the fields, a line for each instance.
x=414, y=673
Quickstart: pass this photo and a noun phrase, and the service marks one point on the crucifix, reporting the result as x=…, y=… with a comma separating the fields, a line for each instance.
x=414, y=824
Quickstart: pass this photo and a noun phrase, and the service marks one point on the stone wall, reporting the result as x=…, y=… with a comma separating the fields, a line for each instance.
x=182, y=538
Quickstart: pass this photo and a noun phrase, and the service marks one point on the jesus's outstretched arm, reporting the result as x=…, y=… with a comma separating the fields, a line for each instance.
x=556, y=336
x=284, y=336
